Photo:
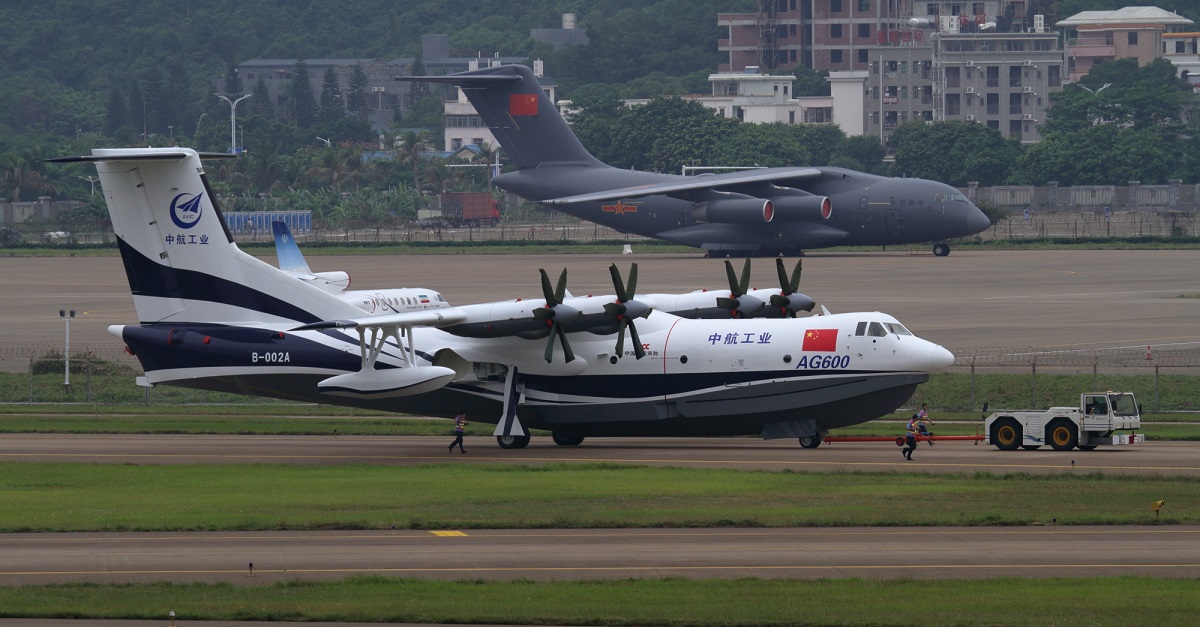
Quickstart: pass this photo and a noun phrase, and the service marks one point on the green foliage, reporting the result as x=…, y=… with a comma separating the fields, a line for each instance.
x=955, y=153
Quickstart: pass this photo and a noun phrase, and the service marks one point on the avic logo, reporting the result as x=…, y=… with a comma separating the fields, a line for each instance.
x=185, y=210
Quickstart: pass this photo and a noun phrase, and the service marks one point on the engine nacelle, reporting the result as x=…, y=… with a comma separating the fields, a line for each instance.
x=734, y=210
x=805, y=208
x=388, y=383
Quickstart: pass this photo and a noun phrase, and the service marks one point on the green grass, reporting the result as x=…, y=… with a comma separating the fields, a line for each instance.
x=671, y=602
x=116, y=497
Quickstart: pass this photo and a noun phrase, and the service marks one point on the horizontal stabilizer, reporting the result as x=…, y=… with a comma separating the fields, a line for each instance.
x=133, y=155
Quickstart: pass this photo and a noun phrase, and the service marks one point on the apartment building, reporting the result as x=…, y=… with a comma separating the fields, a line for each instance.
x=1141, y=33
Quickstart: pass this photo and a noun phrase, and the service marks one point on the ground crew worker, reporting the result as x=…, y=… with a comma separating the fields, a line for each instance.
x=924, y=423
x=460, y=429
x=910, y=437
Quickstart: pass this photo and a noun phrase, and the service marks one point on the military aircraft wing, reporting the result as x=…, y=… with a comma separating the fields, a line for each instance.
x=679, y=184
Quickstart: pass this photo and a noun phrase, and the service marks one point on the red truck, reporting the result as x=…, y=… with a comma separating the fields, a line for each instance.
x=469, y=209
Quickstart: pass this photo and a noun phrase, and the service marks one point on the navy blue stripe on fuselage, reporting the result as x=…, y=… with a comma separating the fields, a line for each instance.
x=150, y=278
x=166, y=347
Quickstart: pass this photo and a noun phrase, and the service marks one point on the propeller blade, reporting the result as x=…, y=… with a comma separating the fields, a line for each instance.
x=618, y=285
x=547, y=291
x=568, y=354
x=745, y=283
x=561, y=289
x=550, y=343
x=638, y=351
x=631, y=287
x=795, y=283
x=621, y=337
x=733, y=283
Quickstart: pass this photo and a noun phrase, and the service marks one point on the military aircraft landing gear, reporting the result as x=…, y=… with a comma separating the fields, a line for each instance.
x=941, y=249
x=810, y=441
x=564, y=439
x=512, y=441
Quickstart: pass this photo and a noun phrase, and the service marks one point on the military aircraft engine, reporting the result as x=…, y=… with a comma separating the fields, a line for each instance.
x=387, y=383
x=734, y=210
x=806, y=208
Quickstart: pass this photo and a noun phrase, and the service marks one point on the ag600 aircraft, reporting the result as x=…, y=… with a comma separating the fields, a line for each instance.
x=754, y=212
x=215, y=318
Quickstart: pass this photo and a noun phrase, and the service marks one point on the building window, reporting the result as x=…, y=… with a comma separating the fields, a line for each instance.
x=1014, y=128
x=835, y=56
x=1053, y=76
x=931, y=9
x=1133, y=39
x=835, y=6
x=993, y=104
x=952, y=104
x=835, y=31
x=864, y=5
x=864, y=30
x=862, y=55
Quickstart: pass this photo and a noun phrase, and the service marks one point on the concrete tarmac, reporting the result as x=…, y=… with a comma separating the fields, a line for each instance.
x=264, y=557
x=1153, y=458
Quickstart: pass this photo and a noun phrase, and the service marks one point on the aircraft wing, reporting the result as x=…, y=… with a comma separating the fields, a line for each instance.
x=429, y=318
x=716, y=182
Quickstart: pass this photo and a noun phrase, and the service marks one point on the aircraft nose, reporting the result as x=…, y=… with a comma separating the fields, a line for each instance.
x=940, y=358
x=977, y=221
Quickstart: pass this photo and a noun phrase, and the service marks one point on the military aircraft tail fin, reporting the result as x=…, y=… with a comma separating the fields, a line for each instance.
x=529, y=127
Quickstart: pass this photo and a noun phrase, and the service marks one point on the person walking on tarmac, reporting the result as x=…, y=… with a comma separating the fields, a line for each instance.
x=460, y=429
x=923, y=423
x=910, y=437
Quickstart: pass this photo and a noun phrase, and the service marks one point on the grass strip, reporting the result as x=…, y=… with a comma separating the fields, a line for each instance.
x=114, y=497
x=706, y=602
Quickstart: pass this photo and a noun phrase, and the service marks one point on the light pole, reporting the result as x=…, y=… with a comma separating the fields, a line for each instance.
x=232, y=119
x=66, y=315
x=90, y=179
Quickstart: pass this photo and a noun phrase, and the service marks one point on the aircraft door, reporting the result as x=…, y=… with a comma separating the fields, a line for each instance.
x=862, y=215
x=893, y=221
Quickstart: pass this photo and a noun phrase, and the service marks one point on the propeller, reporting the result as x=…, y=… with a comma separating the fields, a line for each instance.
x=625, y=309
x=738, y=303
x=554, y=313
x=788, y=300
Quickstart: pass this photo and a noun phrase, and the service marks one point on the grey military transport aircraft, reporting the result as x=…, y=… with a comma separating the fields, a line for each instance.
x=765, y=211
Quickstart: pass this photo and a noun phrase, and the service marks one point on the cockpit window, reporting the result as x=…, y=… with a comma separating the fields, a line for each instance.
x=958, y=197
x=861, y=330
x=898, y=329
x=876, y=330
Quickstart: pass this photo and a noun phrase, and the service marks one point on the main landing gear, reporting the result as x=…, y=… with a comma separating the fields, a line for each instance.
x=810, y=441
x=512, y=441
x=941, y=249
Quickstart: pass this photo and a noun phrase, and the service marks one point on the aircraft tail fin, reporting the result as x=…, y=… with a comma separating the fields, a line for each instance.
x=179, y=256
x=286, y=249
x=510, y=100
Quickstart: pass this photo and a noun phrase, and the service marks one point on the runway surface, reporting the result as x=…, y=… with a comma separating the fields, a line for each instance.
x=548, y=554
x=1157, y=458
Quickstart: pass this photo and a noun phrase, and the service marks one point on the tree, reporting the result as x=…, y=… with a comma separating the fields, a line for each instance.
x=810, y=82
x=260, y=104
x=233, y=81
x=356, y=92
x=332, y=107
x=301, y=103
x=954, y=153
x=417, y=90
x=116, y=114
x=1105, y=154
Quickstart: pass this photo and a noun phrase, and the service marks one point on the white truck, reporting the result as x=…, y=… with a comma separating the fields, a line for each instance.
x=1094, y=422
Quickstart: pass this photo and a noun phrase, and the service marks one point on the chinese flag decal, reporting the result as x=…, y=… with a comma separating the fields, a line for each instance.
x=820, y=340
x=523, y=104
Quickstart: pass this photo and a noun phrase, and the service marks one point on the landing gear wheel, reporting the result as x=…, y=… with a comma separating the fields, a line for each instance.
x=563, y=439
x=1006, y=434
x=941, y=249
x=512, y=441
x=1063, y=435
x=810, y=441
